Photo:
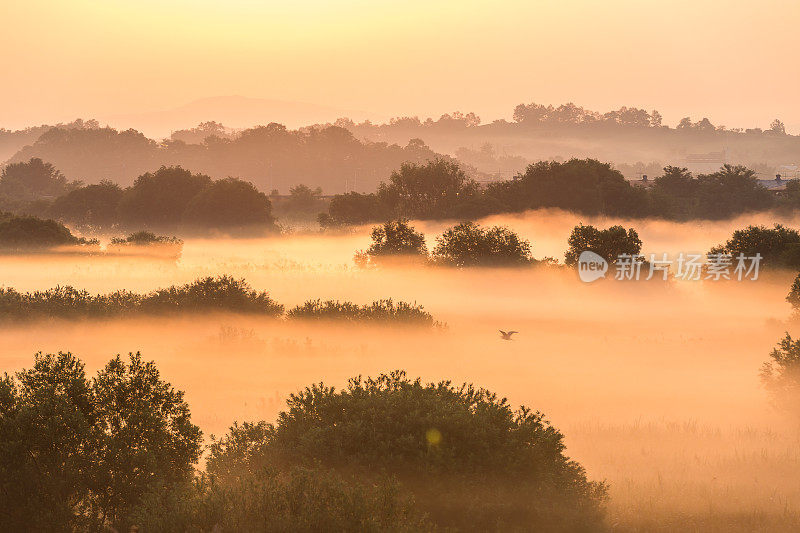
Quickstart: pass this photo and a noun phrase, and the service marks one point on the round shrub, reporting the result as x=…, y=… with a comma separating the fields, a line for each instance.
x=469, y=460
x=469, y=244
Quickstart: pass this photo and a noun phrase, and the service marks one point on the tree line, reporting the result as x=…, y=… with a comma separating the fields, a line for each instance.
x=221, y=294
x=271, y=156
x=168, y=199
x=472, y=245
x=440, y=189
x=173, y=198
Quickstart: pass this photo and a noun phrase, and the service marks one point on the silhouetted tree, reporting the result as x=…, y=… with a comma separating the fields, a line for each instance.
x=580, y=185
x=159, y=199
x=92, y=205
x=794, y=294
x=608, y=243
x=732, y=190
x=354, y=208
x=427, y=191
x=394, y=239
x=27, y=233
x=469, y=244
x=230, y=204
x=781, y=376
x=33, y=180
x=79, y=454
x=447, y=437
x=779, y=246
x=777, y=127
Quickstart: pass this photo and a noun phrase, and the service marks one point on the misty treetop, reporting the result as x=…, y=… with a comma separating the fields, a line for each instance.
x=174, y=198
x=168, y=199
x=210, y=294
x=461, y=451
x=779, y=246
x=205, y=295
x=270, y=156
x=145, y=238
x=26, y=233
x=608, y=243
x=463, y=245
x=379, y=312
x=583, y=186
x=781, y=374
x=471, y=245
x=626, y=136
x=395, y=239
x=35, y=179
x=90, y=205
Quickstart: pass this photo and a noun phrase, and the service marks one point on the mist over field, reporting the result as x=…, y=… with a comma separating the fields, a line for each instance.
x=399, y=267
x=654, y=384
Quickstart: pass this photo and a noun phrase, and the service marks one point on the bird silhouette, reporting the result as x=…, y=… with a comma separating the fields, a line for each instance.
x=507, y=334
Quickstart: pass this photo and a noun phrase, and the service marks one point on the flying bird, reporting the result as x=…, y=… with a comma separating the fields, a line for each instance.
x=507, y=334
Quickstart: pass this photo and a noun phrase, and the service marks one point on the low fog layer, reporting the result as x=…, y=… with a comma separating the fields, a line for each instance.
x=655, y=385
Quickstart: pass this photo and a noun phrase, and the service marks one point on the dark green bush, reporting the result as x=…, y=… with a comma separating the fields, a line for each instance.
x=298, y=499
x=144, y=238
x=469, y=244
x=779, y=246
x=79, y=454
x=781, y=375
x=230, y=204
x=222, y=293
x=394, y=239
x=382, y=311
x=608, y=243
x=794, y=294
x=19, y=233
x=470, y=460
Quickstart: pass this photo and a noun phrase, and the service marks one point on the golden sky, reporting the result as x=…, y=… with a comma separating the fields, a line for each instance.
x=734, y=61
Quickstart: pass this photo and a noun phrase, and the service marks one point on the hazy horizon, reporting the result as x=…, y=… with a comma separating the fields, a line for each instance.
x=692, y=59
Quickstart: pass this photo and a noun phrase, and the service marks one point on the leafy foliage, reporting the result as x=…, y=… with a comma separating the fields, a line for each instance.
x=270, y=156
x=77, y=454
x=424, y=191
x=447, y=443
x=781, y=375
x=382, y=311
x=92, y=205
x=159, y=199
x=794, y=294
x=779, y=246
x=230, y=204
x=222, y=293
x=18, y=233
x=585, y=186
x=469, y=244
x=31, y=180
x=297, y=499
x=608, y=243
x=145, y=238
x=394, y=239
x=353, y=208
x=579, y=185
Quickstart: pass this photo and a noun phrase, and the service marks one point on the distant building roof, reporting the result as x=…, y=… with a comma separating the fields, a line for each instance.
x=774, y=185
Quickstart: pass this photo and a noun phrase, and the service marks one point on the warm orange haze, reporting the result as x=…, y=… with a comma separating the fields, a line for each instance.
x=118, y=61
x=399, y=266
